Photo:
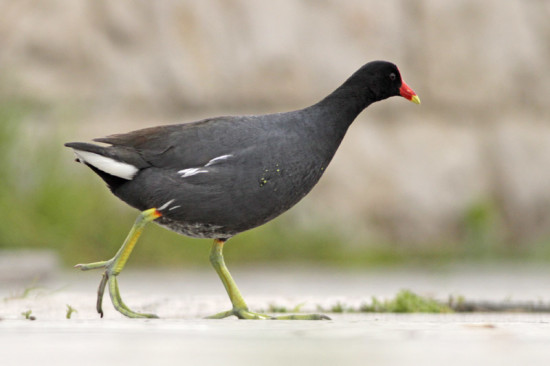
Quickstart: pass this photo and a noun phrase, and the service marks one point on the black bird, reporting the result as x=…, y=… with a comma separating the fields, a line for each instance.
x=221, y=176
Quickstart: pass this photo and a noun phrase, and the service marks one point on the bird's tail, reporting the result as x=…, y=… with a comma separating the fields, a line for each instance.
x=113, y=164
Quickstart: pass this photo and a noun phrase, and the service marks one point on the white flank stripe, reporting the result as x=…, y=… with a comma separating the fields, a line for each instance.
x=191, y=171
x=107, y=165
x=165, y=205
x=218, y=159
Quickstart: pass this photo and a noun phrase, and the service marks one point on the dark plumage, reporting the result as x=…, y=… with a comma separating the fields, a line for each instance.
x=218, y=177
x=271, y=161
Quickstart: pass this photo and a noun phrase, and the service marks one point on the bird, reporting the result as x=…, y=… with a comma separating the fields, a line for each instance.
x=218, y=177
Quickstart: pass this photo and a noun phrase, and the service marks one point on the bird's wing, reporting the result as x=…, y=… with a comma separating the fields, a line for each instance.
x=188, y=145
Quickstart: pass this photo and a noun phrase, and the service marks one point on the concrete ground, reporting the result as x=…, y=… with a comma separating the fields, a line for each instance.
x=181, y=336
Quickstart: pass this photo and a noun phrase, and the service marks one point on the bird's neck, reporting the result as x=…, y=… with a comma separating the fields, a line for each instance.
x=352, y=96
x=340, y=108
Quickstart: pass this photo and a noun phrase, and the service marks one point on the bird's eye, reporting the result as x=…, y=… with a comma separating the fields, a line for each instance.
x=392, y=76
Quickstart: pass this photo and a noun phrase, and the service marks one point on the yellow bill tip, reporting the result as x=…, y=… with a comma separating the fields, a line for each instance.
x=415, y=99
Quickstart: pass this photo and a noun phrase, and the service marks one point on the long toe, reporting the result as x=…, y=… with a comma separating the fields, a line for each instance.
x=120, y=306
x=302, y=317
x=94, y=265
x=246, y=314
x=241, y=314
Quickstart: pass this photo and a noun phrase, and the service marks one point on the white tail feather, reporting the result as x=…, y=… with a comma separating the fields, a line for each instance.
x=107, y=165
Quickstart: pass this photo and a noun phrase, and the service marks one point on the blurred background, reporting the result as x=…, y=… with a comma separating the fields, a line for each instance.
x=463, y=177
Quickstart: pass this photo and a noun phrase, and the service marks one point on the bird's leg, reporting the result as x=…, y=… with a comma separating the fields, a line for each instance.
x=240, y=309
x=115, y=265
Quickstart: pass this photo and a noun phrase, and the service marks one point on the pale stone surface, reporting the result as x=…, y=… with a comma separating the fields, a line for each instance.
x=182, y=337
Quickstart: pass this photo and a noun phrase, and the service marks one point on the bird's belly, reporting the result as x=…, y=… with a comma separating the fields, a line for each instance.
x=197, y=229
x=210, y=205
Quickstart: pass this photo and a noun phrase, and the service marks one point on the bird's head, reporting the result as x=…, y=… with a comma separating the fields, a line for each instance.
x=382, y=80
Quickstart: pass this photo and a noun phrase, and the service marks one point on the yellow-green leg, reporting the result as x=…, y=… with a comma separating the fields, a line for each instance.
x=240, y=309
x=115, y=265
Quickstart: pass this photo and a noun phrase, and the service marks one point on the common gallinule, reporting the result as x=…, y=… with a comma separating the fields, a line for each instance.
x=221, y=176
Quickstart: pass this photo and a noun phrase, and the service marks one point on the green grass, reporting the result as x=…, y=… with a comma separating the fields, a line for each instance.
x=70, y=311
x=23, y=294
x=27, y=315
x=406, y=302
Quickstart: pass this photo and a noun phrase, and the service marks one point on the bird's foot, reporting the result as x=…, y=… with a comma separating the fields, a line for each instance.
x=109, y=277
x=246, y=314
x=241, y=314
